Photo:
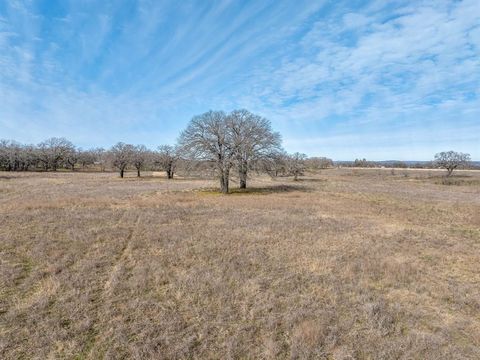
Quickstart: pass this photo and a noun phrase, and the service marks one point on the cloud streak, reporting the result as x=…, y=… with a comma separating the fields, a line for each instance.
x=397, y=76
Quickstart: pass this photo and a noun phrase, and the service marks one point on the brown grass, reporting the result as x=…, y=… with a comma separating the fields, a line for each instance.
x=346, y=264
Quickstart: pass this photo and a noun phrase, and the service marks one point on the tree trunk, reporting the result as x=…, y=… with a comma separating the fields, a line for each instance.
x=169, y=172
x=121, y=173
x=450, y=171
x=138, y=172
x=224, y=178
x=242, y=174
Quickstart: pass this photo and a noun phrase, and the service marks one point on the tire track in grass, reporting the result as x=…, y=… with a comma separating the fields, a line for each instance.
x=104, y=309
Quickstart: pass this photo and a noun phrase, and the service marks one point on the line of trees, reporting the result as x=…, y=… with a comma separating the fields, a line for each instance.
x=122, y=155
x=59, y=153
x=235, y=143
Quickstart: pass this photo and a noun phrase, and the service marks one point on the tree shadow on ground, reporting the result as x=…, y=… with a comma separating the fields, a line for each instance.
x=313, y=180
x=264, y=190
x=176, y=178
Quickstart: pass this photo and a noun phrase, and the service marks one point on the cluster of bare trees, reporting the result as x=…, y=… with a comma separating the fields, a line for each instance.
x=59, y=153
x=318, y=163
x=51, y=154
x=122, y=156
x=235, y=143
x=239, y=140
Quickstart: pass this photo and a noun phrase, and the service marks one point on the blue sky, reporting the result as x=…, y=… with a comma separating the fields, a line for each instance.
x=374, y=79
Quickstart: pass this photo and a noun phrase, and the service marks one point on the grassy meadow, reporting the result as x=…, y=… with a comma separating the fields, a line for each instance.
x=343, y=264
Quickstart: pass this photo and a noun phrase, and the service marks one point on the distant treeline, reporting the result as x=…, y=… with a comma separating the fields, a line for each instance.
x=401, y=164
x=388, y=164
x=214, y=144
x=60, y=154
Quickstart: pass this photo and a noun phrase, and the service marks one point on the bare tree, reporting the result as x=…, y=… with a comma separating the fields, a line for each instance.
x=72, y=157
x=166, y=158
x=208, y=137
x=4, y=163
x=53, y=151
x=253, y=140
x=122, y=155
x=87, y=157
x=100, y=157
x=10, y=153
x=28, y=157
x=16, y=157
x=318, y=163
x=450, y=160
x=276, y=164
x=362, y=163
x=296, y=164
x=139, y=157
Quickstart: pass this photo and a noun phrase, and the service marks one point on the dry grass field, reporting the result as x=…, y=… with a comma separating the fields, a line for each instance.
x=344, y=264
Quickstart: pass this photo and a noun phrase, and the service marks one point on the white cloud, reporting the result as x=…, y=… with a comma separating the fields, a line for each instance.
x=105, y=74
x=403, y=61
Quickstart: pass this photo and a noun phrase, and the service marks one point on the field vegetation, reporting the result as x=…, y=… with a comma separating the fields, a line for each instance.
x=341, y=264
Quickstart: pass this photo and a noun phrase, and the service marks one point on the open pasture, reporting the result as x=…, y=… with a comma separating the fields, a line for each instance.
x=343, y=264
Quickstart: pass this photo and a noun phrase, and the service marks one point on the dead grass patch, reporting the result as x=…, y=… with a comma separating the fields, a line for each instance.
x=343, y=265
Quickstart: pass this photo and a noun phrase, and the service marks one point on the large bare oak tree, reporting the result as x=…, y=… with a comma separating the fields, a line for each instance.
x=208, y=137
x=253, y=140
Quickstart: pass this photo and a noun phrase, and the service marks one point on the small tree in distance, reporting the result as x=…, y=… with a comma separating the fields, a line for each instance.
x=86, y=158
x=122, y=155
x=72, y=157
x=296, y=164
x=317, y=163
x=139, y=157
x=276, y=164
x=166, y=158
x=450, y=160
x=362, y=163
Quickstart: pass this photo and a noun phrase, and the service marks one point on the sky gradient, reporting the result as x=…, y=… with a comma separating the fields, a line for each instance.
x=346, y=80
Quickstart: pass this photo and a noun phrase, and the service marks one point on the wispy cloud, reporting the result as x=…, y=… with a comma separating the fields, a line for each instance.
x=324, y=73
